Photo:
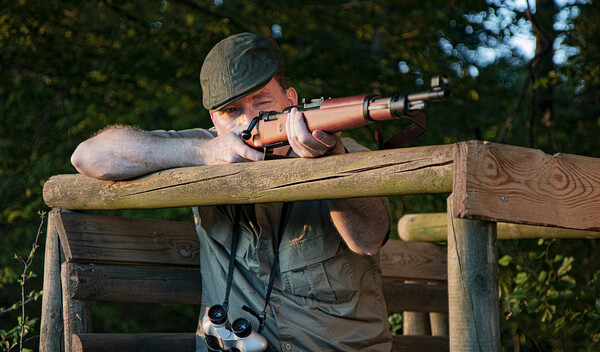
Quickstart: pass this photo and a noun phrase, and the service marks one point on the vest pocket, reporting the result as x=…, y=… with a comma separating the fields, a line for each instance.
x=310, y=282
x=318, y=269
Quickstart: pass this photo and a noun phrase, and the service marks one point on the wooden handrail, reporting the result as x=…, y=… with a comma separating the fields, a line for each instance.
x=419, y=170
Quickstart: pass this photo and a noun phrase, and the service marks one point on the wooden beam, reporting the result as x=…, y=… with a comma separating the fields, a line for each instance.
x=433, y=227
x=472, y=285
x=380, y=173
x=504, y=183
x=186, y=342
x=409, y=343
x=413, y=261
x=415, y=297
x=117, y=283
x=90, y=238
x=157, y=342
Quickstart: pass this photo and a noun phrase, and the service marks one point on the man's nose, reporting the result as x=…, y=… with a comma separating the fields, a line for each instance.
x=247, y=117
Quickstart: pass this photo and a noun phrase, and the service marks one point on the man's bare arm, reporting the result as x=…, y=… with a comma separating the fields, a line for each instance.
x=119, y=152
x=363, y=223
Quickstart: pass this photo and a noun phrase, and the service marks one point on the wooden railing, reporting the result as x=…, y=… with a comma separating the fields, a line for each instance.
x=490, y=183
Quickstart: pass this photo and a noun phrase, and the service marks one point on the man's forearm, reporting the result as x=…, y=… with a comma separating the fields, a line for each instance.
x=121, y=153
x=363, y=223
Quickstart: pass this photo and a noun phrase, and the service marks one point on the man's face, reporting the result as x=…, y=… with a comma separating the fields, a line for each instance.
x=240, y=112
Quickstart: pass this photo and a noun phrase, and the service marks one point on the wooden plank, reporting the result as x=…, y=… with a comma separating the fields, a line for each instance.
x=182, y=342
x=158, y=342
x=186, y=342
x=415, y=297
x=109, y=239
x=513, y=184
x=51, y=326
x=402, y=343
x=472, y=285
x=379, y=173
x=413, y=261
x=134, y=284
x=433, y=227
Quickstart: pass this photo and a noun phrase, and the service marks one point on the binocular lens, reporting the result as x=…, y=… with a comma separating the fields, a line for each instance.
x=217, y=314
x=241, y=327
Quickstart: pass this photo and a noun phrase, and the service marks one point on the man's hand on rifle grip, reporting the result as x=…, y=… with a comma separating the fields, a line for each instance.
x=229, y=148
x=307, y=144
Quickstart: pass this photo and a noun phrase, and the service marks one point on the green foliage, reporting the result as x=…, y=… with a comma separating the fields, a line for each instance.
x=25, y=325
x=549, y=298
x=395, y=319
x=71, y=68
x=10, y=339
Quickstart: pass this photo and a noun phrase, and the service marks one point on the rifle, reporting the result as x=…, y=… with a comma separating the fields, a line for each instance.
x=267, y=130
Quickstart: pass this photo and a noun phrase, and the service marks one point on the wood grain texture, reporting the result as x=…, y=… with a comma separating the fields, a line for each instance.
x=433, y=227
x=51, y=326
x=413, y=261
x=77, y=315
x=139, y=260
x=472, y=285
x=157, y=342
x=378, y=173
x=407, y=343
x=416, y=323
x=415, y=297
x=439, y=323
x=117, y=283
x=108, y=239
x=519, y=185
x=185, y=342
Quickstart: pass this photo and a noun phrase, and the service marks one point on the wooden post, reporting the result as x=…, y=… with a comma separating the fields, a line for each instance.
x=76, y=313
x=472, y=285
x=51, y=327
x=415, y=323
x=439, y=324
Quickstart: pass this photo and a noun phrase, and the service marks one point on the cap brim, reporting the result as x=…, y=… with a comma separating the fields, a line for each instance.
x=253, y=89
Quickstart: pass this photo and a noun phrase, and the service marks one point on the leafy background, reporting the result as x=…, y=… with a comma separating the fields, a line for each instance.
x=71, y=68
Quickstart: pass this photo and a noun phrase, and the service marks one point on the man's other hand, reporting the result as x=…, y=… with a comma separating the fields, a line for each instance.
x=229, y=148
x=307, y=144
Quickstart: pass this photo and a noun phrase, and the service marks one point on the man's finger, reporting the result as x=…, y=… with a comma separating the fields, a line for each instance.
x=248, y=153
x=329, y=140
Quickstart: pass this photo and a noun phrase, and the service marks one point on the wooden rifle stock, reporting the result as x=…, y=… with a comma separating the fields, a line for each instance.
x=340, y=114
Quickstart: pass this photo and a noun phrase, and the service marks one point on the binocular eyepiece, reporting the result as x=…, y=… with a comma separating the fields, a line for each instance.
x=239, y=336
x=217, y=314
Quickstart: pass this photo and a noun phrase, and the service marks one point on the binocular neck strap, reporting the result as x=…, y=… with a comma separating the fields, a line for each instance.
x=234, y=242
x=274, y=267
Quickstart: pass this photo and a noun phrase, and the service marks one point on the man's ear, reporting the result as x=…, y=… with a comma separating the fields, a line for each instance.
x=212, y=118
x=292, y=96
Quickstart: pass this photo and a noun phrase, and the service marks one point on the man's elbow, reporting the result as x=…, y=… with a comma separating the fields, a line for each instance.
x=369, y=251
x=85, y=164
x=370, y=248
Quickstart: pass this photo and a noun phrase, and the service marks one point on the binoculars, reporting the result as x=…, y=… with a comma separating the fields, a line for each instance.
x=238, y=336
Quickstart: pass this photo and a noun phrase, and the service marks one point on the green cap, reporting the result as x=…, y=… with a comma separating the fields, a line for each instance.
x=237, y=66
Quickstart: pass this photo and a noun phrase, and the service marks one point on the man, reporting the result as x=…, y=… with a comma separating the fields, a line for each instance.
x=319, y=257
